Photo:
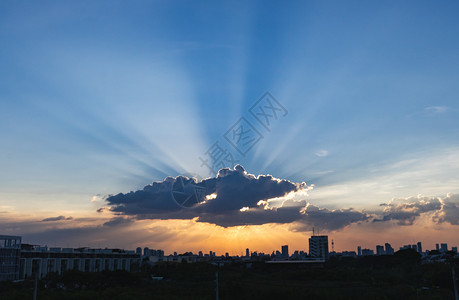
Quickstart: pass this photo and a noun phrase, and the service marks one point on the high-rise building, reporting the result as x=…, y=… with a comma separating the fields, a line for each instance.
x=247, y=252
x=437, y=247
x=359, y=251
x=39, y=261
x=389, y=250
x=367, y=252
x=380, y=250
x=10, y=253
x=138, y=251
x=285, y=251
x=318, y=246
x=454, y=249
x=419, y=247
x=444, y=247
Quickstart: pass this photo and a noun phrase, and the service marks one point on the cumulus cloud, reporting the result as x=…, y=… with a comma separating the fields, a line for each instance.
x=232, y=198
x=329, y=219
x=232, y=190
x=449, y=212
x=59, y=218
x=406, y=210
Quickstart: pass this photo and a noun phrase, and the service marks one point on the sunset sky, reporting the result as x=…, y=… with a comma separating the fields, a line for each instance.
x=341, y=115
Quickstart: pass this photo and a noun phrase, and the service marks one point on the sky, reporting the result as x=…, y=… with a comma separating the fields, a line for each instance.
x=342, y=116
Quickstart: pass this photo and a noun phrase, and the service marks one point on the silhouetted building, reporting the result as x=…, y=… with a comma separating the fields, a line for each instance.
x=419, y=247
x=380, y=250
x=138, y=251
x=367, y=252
x=151, y=252
x=247, y=252
x=10, y=254
x=40, y=261
x=348, y=254
x=444, y=247
x=318, y=246
x=454, y=249
x=389, y=250
x=359, y=251
x=285, y=251
x=406, y=247
x=437, y=247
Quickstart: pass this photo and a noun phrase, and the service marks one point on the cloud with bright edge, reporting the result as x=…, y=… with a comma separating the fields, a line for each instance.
x=59, y=218
x=234, y=198
x=404, y=211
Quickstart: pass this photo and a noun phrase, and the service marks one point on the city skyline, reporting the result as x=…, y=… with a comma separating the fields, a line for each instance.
x=22, y=261
x=386, y=246
x=226, y=126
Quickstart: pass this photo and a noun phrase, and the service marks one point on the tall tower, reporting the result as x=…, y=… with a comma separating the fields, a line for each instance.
x=389, y=250
x=419, y=247
x=318, y=246
x=10, y=254
x=285, y=251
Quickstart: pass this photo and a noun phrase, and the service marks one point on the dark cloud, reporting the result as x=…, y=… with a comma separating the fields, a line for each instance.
x=155, y=197
x=405, y=211
x=303, y=218
x=449, y=212
x=324, y=218
x=101, y=210
x=59, y=218
x=234, y=188
x=239, y=199
x=117, y=221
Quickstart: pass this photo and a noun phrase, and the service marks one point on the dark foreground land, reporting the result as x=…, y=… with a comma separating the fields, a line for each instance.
x=400, y=276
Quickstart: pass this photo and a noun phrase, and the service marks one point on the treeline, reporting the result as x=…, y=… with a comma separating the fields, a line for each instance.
x=401, y=276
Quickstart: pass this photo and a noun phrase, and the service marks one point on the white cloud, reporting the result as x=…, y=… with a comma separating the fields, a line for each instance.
x=322, y=153
x=97, y=198
x=436, y=109
x=427, y=173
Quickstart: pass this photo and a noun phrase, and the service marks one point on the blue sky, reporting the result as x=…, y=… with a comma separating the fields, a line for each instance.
x=101, y=97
